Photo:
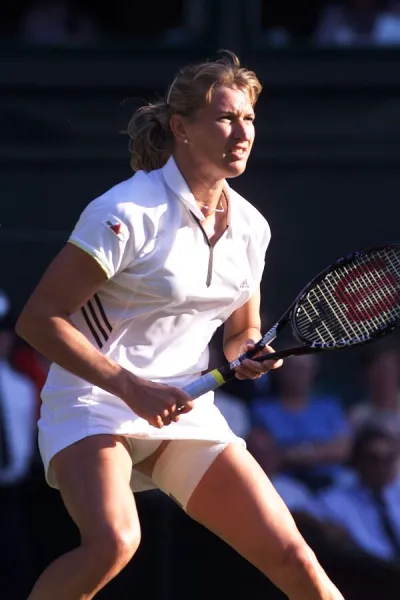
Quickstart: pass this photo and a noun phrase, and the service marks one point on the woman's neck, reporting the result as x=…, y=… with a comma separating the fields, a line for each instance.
x=206, y=189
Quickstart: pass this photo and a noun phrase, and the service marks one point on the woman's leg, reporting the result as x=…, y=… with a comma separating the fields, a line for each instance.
x=94, y=478
x=236, y=501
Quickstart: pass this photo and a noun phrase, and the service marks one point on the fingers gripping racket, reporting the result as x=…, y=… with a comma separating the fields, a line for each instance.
x=353, y=301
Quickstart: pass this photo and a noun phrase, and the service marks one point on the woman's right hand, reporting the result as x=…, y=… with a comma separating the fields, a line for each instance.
x=157, y=403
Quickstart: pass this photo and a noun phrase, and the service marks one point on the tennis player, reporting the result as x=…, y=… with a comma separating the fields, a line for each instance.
x=126, y=311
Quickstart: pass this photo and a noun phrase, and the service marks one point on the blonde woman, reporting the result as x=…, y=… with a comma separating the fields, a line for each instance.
x=125, y=313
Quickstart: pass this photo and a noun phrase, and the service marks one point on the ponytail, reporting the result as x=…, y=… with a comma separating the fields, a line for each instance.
x=151, y=140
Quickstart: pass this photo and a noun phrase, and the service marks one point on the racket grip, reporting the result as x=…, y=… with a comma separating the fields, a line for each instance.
x=206, y=383
x=217, y=377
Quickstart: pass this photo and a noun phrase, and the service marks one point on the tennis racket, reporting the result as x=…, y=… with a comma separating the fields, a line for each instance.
x=353, y=301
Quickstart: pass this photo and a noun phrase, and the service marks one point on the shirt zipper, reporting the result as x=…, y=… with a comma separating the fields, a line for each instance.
x=210, y=247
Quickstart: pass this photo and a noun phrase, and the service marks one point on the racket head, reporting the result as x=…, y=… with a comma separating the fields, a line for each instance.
x=353, y=301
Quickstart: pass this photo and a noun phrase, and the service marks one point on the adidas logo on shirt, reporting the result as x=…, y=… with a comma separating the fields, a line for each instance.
x=244, y=285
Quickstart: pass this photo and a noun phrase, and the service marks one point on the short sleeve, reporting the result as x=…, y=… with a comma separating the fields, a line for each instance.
x=258, y=246
x=105, y=231
x=264, y=243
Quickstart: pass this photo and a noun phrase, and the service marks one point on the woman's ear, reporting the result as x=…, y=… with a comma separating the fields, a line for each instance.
x=178, y=127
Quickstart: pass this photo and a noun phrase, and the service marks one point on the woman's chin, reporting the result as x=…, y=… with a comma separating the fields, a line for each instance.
x=236, y=167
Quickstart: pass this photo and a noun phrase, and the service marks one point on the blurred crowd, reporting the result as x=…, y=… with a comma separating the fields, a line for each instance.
x=69, y=23
x=335, y=464
x=332, y=23
x=322, y=23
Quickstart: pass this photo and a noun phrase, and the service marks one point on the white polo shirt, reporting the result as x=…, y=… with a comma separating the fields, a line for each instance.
x=167, y=290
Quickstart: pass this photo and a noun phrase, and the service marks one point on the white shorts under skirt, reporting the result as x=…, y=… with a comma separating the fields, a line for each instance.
x=69, y=415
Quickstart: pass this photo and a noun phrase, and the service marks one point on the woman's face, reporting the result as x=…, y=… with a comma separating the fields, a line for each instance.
x=221, y=135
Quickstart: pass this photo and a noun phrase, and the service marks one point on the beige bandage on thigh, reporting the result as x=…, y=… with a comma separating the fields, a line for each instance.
x=182, y=465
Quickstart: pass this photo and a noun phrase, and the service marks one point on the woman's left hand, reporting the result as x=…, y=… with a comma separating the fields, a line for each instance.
x=251, y=369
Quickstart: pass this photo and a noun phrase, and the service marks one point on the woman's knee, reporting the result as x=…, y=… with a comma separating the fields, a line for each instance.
x=114, y=545
x=295, y=557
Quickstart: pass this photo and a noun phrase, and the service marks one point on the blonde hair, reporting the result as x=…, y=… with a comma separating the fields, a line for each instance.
x=151, y=139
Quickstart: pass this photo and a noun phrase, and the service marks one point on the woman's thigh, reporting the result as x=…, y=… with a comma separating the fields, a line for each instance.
x=236, y=500
x=94, y=480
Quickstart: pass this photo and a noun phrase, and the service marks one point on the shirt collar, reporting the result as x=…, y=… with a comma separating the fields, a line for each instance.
x=176, y=182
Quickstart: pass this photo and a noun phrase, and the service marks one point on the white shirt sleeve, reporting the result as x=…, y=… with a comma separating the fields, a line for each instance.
x=258, y=249
x=105, y=231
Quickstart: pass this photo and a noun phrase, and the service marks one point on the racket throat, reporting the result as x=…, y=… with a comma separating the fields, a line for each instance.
x=268, y=337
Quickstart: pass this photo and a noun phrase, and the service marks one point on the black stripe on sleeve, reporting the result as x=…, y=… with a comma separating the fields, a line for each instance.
x=92, y=329
x=97, y=321
x=102, y=312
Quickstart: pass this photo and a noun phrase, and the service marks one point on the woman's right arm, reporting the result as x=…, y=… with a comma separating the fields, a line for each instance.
x=68, y=283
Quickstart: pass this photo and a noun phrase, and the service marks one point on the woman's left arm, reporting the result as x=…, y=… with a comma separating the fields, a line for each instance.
x=241, y=331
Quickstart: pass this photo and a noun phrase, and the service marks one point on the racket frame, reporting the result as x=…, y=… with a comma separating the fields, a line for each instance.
x=218, y=376
x=341, y=262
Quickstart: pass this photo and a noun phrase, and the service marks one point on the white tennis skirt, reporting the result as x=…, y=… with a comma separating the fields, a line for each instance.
x=72, y=410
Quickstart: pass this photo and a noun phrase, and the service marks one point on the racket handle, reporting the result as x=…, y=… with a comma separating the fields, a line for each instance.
x=217, y=377
x=208, y=382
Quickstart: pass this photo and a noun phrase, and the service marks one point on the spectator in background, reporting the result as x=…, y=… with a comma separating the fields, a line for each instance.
x=311, y=429
x=358, y=23
x=17, y=407
x=17, y=448
x=381, y=373
x=297, y=496
x=369, y=508
x=29, y=362
x=57, y=22
x=387, y=30
x=300, y=500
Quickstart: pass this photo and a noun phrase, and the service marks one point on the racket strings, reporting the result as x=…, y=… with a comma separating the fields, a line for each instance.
x=363, y=294
x=378, y=290
x=354, y=301
x=377, y=280
x=321, y=318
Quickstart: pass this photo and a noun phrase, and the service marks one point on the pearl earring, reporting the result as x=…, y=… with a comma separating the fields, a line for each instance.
x=185, y=141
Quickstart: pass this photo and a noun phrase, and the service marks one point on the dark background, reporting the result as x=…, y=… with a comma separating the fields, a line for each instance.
x=324, y=171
